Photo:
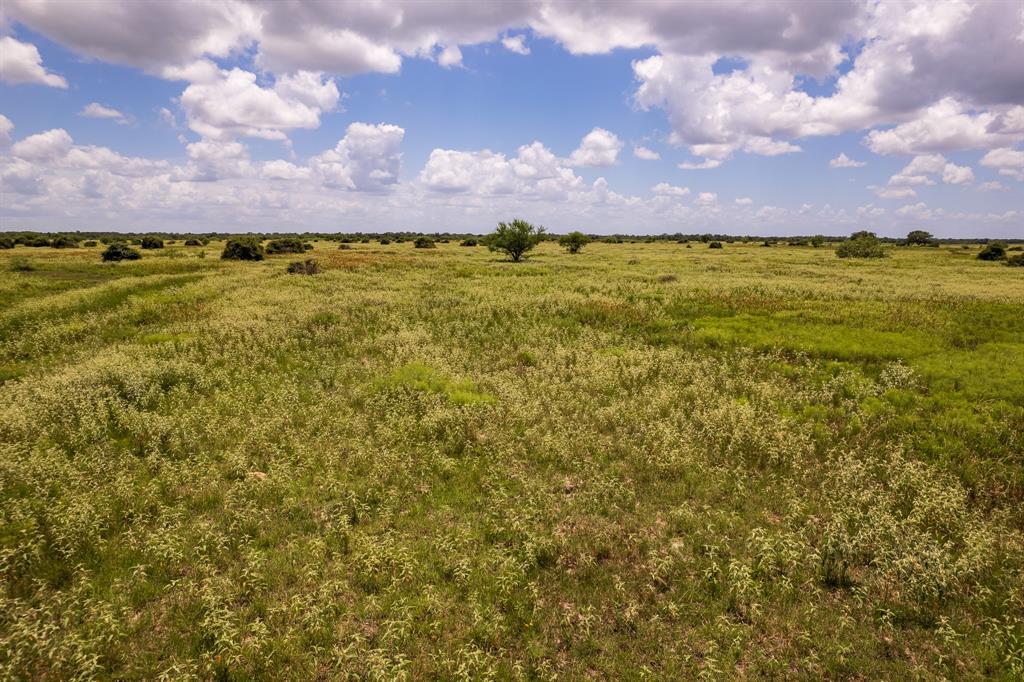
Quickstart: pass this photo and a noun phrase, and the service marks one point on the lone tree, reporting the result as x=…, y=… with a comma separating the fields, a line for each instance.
x=861, y=245
x=243, y=248
x=993, y=251
x=574, y=241
x=515, y=238
x=920, y=238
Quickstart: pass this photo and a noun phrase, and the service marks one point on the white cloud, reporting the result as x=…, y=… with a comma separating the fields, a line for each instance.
x=516, y=44
x=919, y=169
x=233, y=103
x=744, y=201
x=21, y=63
x=706, y=164
x=450, y=56
x=97, y=110
x=599, y=147
x=953, y=174
x=665, y=189
x=843, y=161
x=646, y=154
x=283, y=170
x=706, y=199
x=1009, y=162
x=6, y=126
x=892, y=192
x=944, y=126
x=991, y=186
x=368, y=158
x=52, y=144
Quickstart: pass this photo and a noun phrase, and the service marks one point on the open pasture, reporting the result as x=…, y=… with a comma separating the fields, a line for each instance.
x=642, y=460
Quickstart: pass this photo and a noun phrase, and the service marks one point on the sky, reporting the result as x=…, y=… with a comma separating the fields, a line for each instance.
x=746, y=118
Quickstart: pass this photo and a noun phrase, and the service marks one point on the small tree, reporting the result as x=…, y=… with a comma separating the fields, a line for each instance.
x=243, y=248
x=6, y=243
x=574, y=241
x=515, y=238
x=424, y=242
x=193, y=242
x=468, y=242
x=150, y=242
x=286, y=245
x=817, y=241
x=715, y=245
x=919, y=238
x=861, y=245
x=993, y=251
x=64, y=242
x=120, y=251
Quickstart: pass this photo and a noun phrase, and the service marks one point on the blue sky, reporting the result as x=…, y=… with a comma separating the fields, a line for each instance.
x=223, y=115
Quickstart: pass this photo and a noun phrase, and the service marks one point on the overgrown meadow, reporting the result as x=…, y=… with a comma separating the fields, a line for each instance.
x=639, y=461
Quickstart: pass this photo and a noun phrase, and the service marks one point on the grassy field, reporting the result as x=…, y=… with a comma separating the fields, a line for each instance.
x=641, y=461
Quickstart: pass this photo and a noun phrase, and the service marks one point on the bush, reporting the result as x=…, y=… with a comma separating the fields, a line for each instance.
x=468, y=242
x=149, y=242
x=574, y=241
x=424, y=243
x=37, y=242
x=90, y=243
x=63, y=242
x=1016, y=261
x=385, y=242
x=766, y=243
x=243, y=248
x=305, y=267
x=286, y=245
x=344, y=247
x=193, y=242
x=120, y=251
x=817, y=241
x=994, y=251
x=515, y=238
x=6, y=243
x=861, y=245
x=715, y=245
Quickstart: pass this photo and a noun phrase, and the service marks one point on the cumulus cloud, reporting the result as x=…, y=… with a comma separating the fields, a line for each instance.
x=1009, y=162
x=843, y=161
x=450, y=56
x=665, y=189
x=367, y=159
x=516, y=44
x=919, y=169
x=646, y=154
x=232, y=103
x=283, y=170
x=52, y=144
x=6, y=126
x=991, y=186
x=21, y=63
x=892, y=192
x=97, y=110
x=945, y=126
x=706, y=199
x=599, y=147
x=744, y=201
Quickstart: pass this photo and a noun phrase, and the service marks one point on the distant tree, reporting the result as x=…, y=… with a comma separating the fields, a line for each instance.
x=919, y=238
x=243, y=248
x=469, y=242
x=993, y=251
x=37, y=242
x=715, y=245
x=64, y=242
x=151, y=242
x=817, y=241
x=424, y=242
x=344, y=247
x=385, y=241
x=515, y=238
x=1016, y=261
x=193, y=242
x=6, y=243
x=861, y=245
x=120, y=251
x=574, y=241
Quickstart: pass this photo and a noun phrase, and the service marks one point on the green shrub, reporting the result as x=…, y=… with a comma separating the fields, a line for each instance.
x=993, y=251
x=1016, y=261
x=243, y=248
x=424, y=243
x=89, y=243
x=286, y=245
x=344, y=247
x=817, y=241
x=64, y=242
x=515, y=238
x=861, y=245
x=715, y=245
x=385, y=242
x=304, y=267
x=6, y=243
x=193, y=242
x=120, y=251
x=151, y=242
x=37, y=242
x=574, y=241
x=468, y=242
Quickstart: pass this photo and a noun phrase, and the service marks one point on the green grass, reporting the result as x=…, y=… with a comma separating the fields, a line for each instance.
x=639, y=461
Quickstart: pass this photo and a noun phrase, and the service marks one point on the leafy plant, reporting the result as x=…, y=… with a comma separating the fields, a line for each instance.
x=515, y=238
x=6, y=243
x=574, y=241
x=64, y=242
x=861, y=245
x=468, y=242
x=424, y=242
x=193, y=242
x=993, y=251
x=286, y=245
x=920, y=238
x=151, y=242
x=243, y=248
x=120, y=251
x=715, y=245
x=1016, y=261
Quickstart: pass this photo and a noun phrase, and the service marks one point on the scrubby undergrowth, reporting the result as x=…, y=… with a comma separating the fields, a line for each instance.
x=658, y=461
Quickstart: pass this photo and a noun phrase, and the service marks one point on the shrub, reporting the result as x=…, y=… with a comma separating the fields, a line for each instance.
x=37, y=242
x=120, y=251
x=243, y=248
x=468, y=242
x=64, y=242
x=150, y=242
x=861, y=245
x=305, y=267
x=574, y=241
x=6, y=243
x=286, y=245
x=1016, y=261
x=817, y=241
x=385, y=242
x=424, y=243
x=515, y=238
x=993, y=251
x=193, y=242
x=715, y=245
x=612, y=240
x=766, y=243
x=90, y=243
x=344, y=247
